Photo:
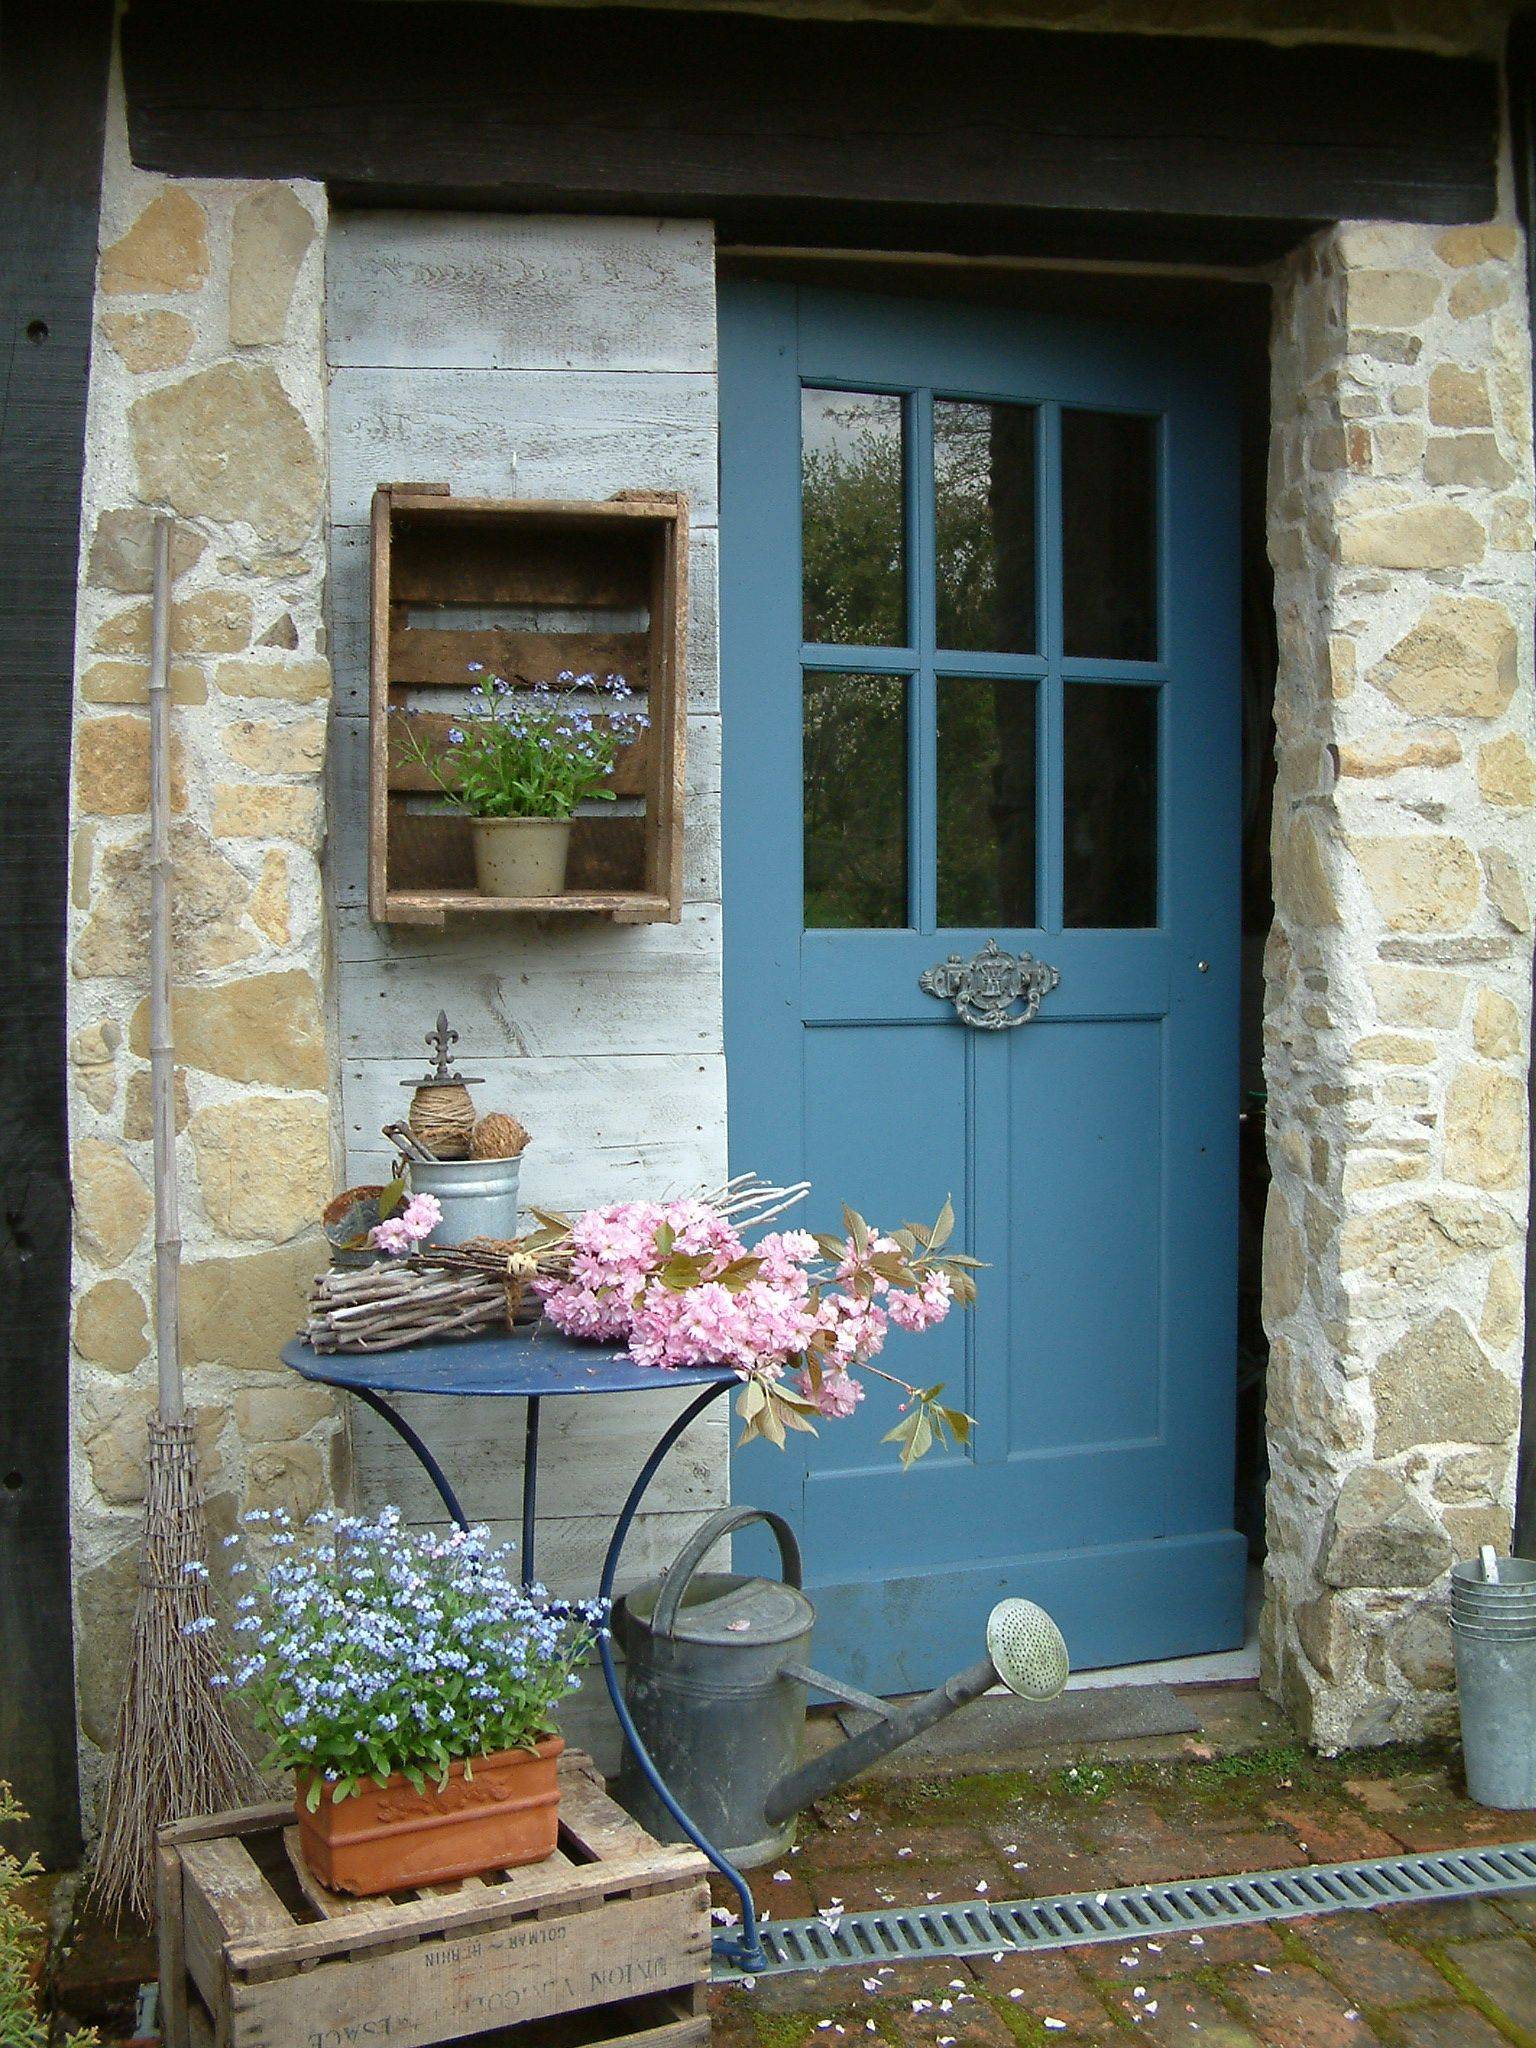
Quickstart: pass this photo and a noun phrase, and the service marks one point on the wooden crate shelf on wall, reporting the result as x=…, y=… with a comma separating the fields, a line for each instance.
x=528, y=589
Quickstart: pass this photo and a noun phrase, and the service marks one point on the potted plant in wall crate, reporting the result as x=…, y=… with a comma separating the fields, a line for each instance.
x=518, y=764
x=410, y=1682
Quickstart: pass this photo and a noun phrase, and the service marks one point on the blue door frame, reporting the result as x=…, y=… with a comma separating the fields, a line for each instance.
x=1091, y=1154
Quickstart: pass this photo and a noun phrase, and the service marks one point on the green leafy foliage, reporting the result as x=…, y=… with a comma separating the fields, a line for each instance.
x=22, y=1943
x=529, y=753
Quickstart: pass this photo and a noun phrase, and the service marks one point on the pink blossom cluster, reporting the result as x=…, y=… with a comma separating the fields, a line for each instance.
x=413, y=1225
x=761, y=1318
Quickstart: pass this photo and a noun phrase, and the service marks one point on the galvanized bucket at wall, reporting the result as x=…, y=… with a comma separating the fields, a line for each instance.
x=479, y=1197
x=1493, y=1626
x=706, y=1687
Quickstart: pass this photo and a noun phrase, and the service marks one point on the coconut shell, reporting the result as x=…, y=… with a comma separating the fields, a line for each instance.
x=497, y=1136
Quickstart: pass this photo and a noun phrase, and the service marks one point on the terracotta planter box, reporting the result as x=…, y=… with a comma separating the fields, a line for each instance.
x=392, y=1838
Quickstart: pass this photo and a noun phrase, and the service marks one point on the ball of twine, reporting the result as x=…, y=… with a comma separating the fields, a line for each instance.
x=497, y=1136
x=442, y=1119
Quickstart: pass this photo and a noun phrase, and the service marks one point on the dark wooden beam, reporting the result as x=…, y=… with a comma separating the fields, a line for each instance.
x=53, y=84
x=882, y=133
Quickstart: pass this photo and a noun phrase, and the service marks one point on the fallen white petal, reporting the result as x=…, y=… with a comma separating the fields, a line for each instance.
x=781, y=1877
x=1054, y=2026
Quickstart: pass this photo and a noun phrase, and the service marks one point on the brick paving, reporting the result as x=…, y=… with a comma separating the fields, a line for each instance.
x=1453, y=1976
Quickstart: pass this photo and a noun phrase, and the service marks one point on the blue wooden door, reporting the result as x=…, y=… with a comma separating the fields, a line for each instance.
x=980, y=682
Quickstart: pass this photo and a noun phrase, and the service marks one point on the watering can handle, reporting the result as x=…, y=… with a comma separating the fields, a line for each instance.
x=691, y=1556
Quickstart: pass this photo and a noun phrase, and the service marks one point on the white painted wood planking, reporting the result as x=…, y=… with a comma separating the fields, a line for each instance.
x=586, y=349
x=506, y=290
x=522, y=434
x=349, y=618
x=605, y=1129
x=590, y=1448
x=561, y=987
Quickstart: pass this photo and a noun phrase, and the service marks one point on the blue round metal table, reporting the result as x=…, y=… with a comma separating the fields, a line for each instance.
x=535, y=1366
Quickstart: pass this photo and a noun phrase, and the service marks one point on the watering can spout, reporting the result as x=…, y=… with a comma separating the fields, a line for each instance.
x=1025, y=1652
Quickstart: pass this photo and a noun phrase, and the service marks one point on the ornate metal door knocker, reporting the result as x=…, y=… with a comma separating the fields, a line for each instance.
x=985, y=988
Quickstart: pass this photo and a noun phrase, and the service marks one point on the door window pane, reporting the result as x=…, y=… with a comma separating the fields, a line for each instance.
x=852, y=500
x=986, y=802
x=855, y=767
x=984, y=525
x=1109, y=535
x=1109, y=750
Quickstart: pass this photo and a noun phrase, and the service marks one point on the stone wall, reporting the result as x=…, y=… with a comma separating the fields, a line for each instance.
x=1398, y=1017
x=208, y=399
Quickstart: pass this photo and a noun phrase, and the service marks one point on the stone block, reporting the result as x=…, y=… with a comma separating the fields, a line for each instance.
x=1459, y=660
x=1394, y=1048
x=138, y=1106
x=294, y=682
x=1470, y=1528
x=107, y=1594
x=165, y=251
x=266, y=1028
x=264, y=1165
x=111, y=1326
x=1488, y=241
x=1303, y=887
x=1284, y=1261
x=212, y=622
x=1478, y=293
x=1420, y=1644
x=1485, y=1129
x=272, y=233
x=228, y=444
x=1412, y=537
x=258, y=810
x=1458, y=397
x=122, y=552
x=1419, y=885
x=1419, y=996
x=210, y=893
x=1437, y=1385
x=1390, y=298
x=1469, y=460
x=1473, y=1477
x=1413, y=1243
x=1506, y=892
x=1503, y=1315
x=267, y=749
x=269, y=899
x=127, y=682
x=288, y=1475
x=238, y=1312
x=112, y=1204
x=282, y=1412
x=1388, y=753
x=1381, y=1534
x=113, y=1424
x=112, y=768
x=1496, y=1028
x=281, y=633
x=149, y=341
x=1506, y=774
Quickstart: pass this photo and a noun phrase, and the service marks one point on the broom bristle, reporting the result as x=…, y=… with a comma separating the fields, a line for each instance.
x=177, y=1755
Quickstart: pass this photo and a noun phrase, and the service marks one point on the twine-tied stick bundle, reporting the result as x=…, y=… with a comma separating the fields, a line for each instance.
x=176, y=1754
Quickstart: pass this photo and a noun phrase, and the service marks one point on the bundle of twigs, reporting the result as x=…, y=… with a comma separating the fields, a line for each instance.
x=176, y=1753
x=455, y=1290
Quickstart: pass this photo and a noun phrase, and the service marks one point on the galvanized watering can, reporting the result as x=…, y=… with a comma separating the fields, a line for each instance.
x=716, y=1683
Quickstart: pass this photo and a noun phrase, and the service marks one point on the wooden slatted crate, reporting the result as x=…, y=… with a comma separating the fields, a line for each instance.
x=604, y=1946
x=528, y=589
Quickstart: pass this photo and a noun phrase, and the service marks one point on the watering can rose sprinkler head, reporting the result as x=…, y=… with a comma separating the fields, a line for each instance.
x=1026, y=1652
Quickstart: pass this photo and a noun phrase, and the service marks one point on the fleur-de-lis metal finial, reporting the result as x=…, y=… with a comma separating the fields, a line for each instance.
x=440, y=1043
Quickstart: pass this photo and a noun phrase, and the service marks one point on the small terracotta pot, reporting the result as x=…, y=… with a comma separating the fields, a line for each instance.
x=521, y=856
x=390, y=1837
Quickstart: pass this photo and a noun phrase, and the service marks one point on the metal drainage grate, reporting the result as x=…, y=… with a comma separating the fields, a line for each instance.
x=899, y=1934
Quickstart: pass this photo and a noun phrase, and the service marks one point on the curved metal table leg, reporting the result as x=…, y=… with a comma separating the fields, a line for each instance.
x=414, y=1444
x=747, y=1951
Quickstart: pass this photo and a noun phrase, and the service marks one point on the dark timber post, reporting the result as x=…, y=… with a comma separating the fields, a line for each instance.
x=53, y=83
x=1521, y=77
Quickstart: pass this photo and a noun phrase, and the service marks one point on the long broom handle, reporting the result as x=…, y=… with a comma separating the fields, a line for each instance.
x=161, y=1053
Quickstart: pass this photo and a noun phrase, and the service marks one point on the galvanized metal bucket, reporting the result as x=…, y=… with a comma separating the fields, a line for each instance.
x=1493, y=1627
x=706, y=1688
x=479, y=1197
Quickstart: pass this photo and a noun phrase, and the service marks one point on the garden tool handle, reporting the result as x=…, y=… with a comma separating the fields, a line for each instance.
x=703, y=1539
